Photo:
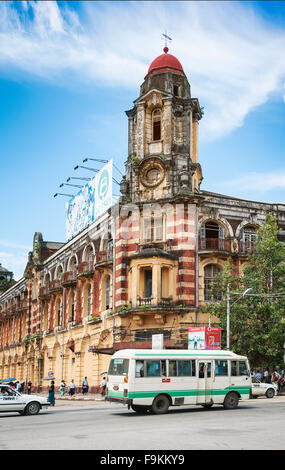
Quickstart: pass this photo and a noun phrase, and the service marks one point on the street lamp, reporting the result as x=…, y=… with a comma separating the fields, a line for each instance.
x=246, y=292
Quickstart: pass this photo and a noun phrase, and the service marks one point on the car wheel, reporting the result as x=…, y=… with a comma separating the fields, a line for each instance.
x=269, y=393
x=231, y=401
x=32, y=408
x=160, y=404
x=140, y=409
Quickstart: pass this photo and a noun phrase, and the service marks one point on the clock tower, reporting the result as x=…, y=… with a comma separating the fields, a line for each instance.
x=162, y=159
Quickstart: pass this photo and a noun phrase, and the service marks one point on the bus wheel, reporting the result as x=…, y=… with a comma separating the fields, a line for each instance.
x=231, y=401
x=139, y=409
x=160, y=404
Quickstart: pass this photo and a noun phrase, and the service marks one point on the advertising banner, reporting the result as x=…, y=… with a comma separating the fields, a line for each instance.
x=91, y=202
x=204, y=338
x=103, y=189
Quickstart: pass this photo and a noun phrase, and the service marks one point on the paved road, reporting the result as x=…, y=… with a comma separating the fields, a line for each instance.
x=255, y=424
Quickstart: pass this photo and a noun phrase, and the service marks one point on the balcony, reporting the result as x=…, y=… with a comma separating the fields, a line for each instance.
x=85, y=269
x=214, y=244
x=44, y=292
x=155, y=302
x=55, y=286
x=69, y=278
x=22, y=306
x=246, y=247
x=103, y=258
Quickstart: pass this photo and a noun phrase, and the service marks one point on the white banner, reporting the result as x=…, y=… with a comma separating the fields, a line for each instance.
x=103, y=189
x=91, y=202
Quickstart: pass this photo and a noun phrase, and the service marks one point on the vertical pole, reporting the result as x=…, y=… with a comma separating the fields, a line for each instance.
x=228, y=317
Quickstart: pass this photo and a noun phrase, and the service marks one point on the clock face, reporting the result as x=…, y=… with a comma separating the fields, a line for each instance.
x=152, y=173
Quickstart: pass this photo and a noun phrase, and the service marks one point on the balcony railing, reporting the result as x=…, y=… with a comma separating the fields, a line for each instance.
x=246, y=247
x=215, y=244
x=69, y=278
x=104, y=257
x=22, y=305
x=154, y=302
x=44, y=291
x=55, y=285
x=85, y=269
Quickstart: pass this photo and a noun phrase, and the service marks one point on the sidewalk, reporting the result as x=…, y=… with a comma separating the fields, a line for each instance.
x=76, y=397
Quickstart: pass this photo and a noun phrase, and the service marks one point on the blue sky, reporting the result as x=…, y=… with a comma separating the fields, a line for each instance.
x=69, y=70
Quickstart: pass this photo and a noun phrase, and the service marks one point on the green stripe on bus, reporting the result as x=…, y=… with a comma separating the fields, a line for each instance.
x=242, y=390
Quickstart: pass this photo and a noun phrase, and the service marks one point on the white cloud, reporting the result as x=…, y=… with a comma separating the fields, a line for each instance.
x=259, y=181
x=234, y=61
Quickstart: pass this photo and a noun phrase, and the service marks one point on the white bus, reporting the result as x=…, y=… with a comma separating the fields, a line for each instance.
x=149, y=379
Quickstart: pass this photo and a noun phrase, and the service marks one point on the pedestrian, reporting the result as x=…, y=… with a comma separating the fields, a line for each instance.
x=281, y=382
x=85, y=386
x=275, y=379
x=62, y=388
x=29, y=387
x=104, y=386
x=51, y=396
x=18, y=387
x=266, y=376
x=72, y=388
x=258, y=375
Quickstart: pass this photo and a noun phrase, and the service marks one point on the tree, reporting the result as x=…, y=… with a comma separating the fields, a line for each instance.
x=257, y=321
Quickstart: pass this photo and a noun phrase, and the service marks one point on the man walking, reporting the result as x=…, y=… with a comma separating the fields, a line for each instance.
x=85, y=386
x=72, y=388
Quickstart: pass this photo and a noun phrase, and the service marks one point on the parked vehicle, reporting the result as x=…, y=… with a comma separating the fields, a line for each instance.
x=11, y=400
x=261, y=389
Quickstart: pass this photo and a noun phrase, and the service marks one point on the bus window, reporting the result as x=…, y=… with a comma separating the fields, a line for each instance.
x=202, y=367
x=186, y=369
x=221, y=368
x=153, y=368
x=172, y=368
x=233, y=366
x=209, y=369
x=243, y=368
x=118, y=367
x=139, y=368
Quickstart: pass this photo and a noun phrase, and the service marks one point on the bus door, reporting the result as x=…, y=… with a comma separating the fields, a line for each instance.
x=204, y=382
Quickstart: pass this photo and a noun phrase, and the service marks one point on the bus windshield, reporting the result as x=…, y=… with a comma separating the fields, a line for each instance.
x=119, y=367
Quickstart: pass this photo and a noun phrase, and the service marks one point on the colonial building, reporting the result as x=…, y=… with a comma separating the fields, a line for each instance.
x=145, y=266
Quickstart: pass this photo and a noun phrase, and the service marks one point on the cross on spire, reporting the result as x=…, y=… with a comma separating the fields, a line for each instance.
x=166, y=40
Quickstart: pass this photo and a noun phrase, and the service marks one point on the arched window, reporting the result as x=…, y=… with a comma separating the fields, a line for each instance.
x=248, y=238
x=109, y=249
x=210, y=271
x=156, y=124
x=107, y=293
x=212, y=236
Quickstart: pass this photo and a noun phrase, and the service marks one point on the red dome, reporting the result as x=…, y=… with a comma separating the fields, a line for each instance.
x=165, y=62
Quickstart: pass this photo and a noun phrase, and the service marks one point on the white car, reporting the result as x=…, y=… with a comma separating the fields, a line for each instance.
x=11, y=400
x=261, y=388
